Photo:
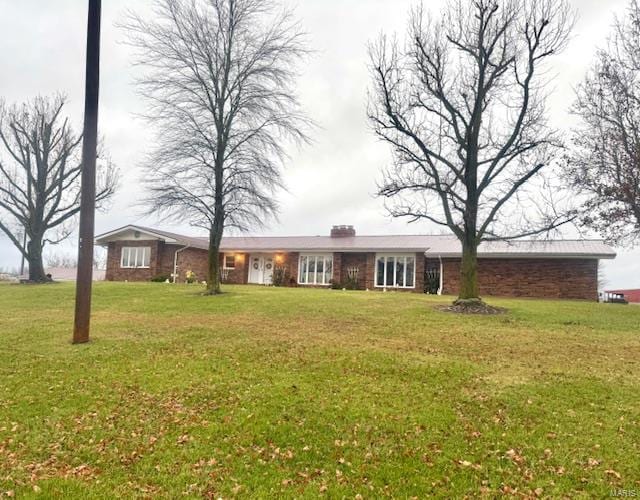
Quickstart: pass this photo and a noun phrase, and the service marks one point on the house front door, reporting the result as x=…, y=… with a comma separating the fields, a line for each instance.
x=261, y=269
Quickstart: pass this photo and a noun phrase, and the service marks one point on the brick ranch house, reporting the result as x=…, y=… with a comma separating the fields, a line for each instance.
x=431, y=263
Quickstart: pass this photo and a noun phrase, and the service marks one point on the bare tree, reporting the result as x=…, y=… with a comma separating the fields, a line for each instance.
x=462, y=105
x=39, y=177
x=219, y=80
x=604, y=165
x=62, y=260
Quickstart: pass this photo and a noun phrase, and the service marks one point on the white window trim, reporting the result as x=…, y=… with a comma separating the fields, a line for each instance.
x=326, y=257
x=224, y=260
x=395, y=256
x=135, y=259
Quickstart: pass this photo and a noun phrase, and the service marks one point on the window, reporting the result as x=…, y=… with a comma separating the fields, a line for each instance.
x=135, y=257
x=395, y=271
x=229, y=261
x=315, y=269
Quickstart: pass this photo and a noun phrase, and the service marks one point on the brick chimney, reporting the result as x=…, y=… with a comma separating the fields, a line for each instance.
x=342, y=231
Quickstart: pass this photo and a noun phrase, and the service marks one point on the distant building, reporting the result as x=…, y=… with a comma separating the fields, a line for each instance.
x=632, y=296
x=69, y=273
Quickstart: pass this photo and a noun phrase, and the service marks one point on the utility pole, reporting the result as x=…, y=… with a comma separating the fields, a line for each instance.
x=88, y=177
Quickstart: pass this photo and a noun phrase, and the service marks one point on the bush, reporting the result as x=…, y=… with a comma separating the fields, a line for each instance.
x=351, y=283
x=161, y=278
x=431, y=282
x=348, y=284
x=191, y=277
x=279, y=276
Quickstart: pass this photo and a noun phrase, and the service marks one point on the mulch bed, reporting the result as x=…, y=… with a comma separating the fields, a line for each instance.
x=471, y=307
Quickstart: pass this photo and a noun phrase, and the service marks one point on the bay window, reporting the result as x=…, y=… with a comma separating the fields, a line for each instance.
x=315, y=269
x=395, y=271
x=132, y=257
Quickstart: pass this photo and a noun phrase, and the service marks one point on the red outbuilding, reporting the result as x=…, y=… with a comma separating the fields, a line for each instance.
x=632, y=296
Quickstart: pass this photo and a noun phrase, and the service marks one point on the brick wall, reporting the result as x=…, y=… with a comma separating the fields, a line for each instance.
x=550, y=278
x=238, y=275
x=162, y=260
x=366, y=264
x=166, y=256
x=193, y=259
x=337, y=268
x=196, y=260
x=290, y=261
x=420, y=263
x=157, y=261
x=347, y=261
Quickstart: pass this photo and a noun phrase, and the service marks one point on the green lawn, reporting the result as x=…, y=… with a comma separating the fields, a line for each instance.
x=267, y=392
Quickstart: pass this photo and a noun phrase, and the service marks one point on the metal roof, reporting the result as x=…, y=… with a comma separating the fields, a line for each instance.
x=432, y=245
x=527, y=248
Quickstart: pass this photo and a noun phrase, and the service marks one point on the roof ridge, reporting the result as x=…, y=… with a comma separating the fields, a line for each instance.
x=343, y=237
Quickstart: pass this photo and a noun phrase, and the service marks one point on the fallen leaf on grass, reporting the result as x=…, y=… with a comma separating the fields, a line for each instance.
x=611, y=472
x=515, y=456
x=466, y=463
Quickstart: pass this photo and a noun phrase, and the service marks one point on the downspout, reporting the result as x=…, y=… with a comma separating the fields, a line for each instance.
x=175, y=263
x=441, y=276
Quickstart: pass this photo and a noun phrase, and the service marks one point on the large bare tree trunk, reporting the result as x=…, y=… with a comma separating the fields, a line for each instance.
x=469, y=271
x=217, y=228
x=213, y=271
x=213, y=268
x=36, y=266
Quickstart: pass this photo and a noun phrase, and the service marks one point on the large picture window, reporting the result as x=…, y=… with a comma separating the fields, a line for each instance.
x=395, y=271
x=315, y=269
x=132, y=257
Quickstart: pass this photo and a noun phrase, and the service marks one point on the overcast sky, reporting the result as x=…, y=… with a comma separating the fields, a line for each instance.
x=330, y=181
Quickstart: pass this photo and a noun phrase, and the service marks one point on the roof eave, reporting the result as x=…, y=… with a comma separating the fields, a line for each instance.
x=324, y=250
x=526, y=255
x=103, y=239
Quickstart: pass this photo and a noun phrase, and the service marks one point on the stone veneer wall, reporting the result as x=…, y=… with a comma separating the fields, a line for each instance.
x=544, y=278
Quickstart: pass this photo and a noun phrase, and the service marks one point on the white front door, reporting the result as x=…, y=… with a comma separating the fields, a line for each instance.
x=261, y=269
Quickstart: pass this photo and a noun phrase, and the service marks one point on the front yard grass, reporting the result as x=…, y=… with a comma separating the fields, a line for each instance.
x=267, y=392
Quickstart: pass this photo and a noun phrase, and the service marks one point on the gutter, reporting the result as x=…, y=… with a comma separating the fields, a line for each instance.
x=175, y=263
x=532, y=255
x=441, y=287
